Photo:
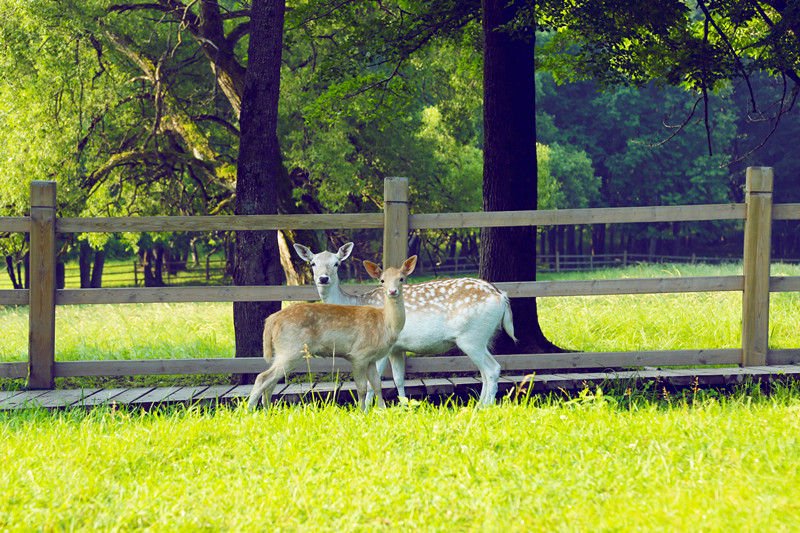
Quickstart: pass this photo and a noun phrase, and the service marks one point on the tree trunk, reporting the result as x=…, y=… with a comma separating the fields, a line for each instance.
x=61, y=275
x=509, y=165
x=85, y=264
x=97, y=270
x=260, y=170
x=11, y=275
x=26, y=270
x=158, y=267
x=599, y=239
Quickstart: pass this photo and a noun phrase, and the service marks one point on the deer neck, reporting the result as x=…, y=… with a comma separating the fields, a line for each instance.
x=394, y=314
x=333, y=294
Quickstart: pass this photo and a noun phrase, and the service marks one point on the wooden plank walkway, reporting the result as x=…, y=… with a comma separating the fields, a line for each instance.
x=434, y=389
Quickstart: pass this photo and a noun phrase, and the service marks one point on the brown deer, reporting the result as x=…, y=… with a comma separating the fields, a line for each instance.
x=360, y=334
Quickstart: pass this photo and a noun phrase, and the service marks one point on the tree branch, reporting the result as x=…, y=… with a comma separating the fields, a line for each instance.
x=237, y=33
x=734, y=54
x=122, y=8
x=218, y=120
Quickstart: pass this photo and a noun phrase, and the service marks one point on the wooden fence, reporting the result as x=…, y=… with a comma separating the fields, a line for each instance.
x=755, y=284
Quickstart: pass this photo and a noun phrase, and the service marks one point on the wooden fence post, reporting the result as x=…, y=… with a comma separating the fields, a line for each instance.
x=757, y=243
x=395, y=221
x=42, y=311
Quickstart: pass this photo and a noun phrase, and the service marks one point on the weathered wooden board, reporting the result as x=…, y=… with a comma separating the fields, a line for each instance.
x=214, y=393
x=465, y=386
x=15, y=224
x=557, y=217
x=131, y=395
x=514, y=386
x=187, y=394
x=101, y=397
x=155, y=396
x=63, y=397
x=438, y=387
x=14, y=296
x=23, y=399
x=219, y=222
x=295, y=392
x=13, y=370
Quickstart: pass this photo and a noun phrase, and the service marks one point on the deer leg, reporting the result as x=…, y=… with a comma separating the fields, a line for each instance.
x=263, y=387
x=397, y=358
x=488, y=367
x=381, y=366
x=265, y=382
x=360, y=377
x=375, y=380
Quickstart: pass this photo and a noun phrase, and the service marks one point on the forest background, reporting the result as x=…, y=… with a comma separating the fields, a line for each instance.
x=133, y=108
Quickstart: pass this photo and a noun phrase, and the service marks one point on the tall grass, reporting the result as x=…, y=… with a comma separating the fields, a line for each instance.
x=594, y=463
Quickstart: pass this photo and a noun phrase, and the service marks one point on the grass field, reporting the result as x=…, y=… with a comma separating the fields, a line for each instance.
x=612, y=460
x=699, y=463
x=592, y=323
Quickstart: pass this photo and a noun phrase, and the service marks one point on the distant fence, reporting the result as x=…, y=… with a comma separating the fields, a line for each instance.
x=755, y=284
x=584, y=262
x=131, y=274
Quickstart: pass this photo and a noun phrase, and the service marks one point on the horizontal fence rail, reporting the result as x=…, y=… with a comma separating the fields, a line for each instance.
x=15, y=224
x=755, y=284
x=220, y=222
x=611, y=215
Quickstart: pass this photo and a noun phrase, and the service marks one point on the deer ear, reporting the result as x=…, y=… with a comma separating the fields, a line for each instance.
x=345, y=251
x=373, y=270
x=304, y=252
x=409, y=265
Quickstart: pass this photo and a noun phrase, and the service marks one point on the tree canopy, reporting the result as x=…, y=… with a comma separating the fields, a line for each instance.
x=134, y=106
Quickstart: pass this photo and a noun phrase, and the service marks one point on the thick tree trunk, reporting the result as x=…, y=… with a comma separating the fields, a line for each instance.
x=509, y=173
x=260, y=170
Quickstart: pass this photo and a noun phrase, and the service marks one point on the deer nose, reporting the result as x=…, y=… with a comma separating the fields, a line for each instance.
x=393, y=292
x=323, y=280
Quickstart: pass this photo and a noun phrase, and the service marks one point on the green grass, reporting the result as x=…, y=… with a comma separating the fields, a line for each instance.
x=127, y=331
x=623, y=460
x=593, y=463
x=592, y=323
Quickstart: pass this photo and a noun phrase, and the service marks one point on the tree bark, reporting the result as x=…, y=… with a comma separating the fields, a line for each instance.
x=97, y=270
x=509, y=165
x=11, y=275
x=85, y=264
x=260, y=170
x=230, y=75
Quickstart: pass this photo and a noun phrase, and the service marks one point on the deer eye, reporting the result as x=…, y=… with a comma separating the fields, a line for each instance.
x=381, y=281
x=337, y=264
x=402, y=280
x=313, y=264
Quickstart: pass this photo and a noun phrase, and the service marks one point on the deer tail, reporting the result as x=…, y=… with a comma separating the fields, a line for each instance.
x=508, y=318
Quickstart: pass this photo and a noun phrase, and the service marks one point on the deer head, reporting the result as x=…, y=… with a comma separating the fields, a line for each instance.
x=324, y=265
x=392, y=279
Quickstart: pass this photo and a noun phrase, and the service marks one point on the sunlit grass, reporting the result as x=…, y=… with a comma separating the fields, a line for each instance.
x=594, y=463
x=127, y=331
x=640, y=460
x=587, y=323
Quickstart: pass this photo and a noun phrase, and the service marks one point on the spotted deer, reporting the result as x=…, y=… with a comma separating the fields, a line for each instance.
x=360, y=334
x=440, y=314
